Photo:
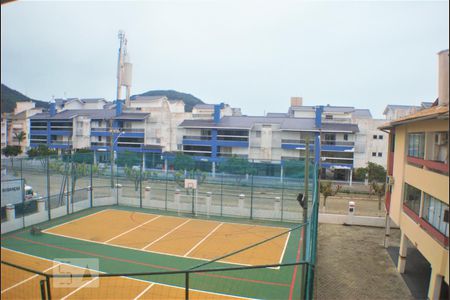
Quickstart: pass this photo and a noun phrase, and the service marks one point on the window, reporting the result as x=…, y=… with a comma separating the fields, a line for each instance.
x=416, y=144
x=433, y=213
x=412, y=198
x=375, y=136
x=100, y=138
x=345, y=137
x=380, y=137
x=329, y=117
x=374, y=154
x=380, y=154
x=258, y=134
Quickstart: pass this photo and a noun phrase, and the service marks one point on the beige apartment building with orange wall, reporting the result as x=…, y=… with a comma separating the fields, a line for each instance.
x=417, y=199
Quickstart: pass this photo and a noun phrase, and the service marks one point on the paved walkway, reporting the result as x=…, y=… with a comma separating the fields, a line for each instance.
x=353, y=264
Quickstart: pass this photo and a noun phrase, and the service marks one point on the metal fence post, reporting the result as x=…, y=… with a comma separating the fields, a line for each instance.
x=140, y=181
x=22, y=182
x=187, y=286
x=251, y=199
x=42, y=285
x=221, y=195
x=91, y=187
x=165, y=203
x=47, y=281
x=47, y=164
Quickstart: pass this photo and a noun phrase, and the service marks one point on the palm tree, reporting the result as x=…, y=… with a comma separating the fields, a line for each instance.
x=20, y=137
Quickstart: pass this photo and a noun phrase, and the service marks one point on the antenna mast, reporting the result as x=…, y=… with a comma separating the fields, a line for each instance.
x=124, y=69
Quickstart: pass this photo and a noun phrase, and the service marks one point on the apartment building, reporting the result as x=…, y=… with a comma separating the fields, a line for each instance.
x=275, y=138
x=368, y=143
x=95, y=129
x=16, y=122
x=4, y=130
x=418, y=196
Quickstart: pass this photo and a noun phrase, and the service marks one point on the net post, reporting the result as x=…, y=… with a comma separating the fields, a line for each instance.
x=47, y=281
x=186, y=286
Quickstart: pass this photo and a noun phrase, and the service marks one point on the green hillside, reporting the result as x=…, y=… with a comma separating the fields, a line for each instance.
x=9, y=97
x=189, y=100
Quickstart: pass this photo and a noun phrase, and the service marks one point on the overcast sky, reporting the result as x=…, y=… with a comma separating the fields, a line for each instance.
x=250, y=54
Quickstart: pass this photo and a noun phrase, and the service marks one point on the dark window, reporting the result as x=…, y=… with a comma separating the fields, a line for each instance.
x=375, y=136
x=380, y=137
x=433, y=212
x=380, y=154
x=345, y=137
x=416, y=144
x=412, y=198
x=329, y=117
x=374, y=154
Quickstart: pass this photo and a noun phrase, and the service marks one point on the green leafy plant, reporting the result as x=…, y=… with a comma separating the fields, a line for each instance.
x=237, y=166
x=11, y=151
x=20, y=136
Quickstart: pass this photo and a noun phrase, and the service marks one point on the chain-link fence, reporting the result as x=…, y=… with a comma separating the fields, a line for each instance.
x=36, y=190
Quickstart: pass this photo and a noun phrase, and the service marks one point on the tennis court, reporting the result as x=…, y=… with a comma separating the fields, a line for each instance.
x=184, y=237
x=118, y=239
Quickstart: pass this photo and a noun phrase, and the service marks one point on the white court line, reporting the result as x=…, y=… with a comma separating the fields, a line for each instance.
x=119, y=235
x=28, y=279
x=130, y=278
x=144, y=291
x=209, y=234
x=79, y=288
x=161, y=237
x=285, y=246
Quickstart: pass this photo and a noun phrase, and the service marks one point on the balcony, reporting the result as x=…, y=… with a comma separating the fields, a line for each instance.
x=60, y=144
x=437, y=166
x=197, y=137
x=338, y=143
x=100, y=129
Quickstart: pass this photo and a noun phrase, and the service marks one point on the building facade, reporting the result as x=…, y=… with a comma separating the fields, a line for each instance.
x=418, y=196
x=18, y=122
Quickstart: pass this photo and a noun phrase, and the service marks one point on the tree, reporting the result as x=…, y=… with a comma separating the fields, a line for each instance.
x=20, y=137
x=73, y=169
x=379, y=190
x=326, y=190
x=41, y=152
x=237, y=166
x=360, y=174
x=11, y=151
x=183, y=162
x=128, y=159
x=376, y=172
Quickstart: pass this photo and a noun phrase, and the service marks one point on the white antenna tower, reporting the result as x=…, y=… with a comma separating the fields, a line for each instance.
x=124, y=69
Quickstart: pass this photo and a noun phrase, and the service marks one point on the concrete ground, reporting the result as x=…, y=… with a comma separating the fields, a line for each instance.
x=353, y=264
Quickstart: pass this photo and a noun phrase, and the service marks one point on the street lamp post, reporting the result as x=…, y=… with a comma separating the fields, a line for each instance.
x=111, y=156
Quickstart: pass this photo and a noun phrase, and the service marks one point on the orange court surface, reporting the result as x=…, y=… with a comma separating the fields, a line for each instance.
x=177, y=236
x=19, y=284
